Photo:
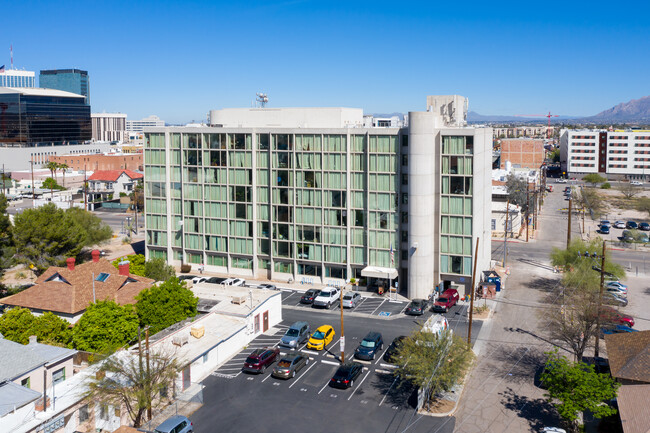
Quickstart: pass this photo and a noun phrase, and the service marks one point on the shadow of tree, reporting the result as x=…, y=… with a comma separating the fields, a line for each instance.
x=647, y=291
x=522, y=363
x=537, y=411
x=398, y=392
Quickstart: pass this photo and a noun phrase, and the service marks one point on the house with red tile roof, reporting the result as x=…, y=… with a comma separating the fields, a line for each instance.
x=104, y=184
x=67, y=291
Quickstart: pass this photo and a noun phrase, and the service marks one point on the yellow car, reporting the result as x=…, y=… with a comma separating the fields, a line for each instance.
x=321, y=338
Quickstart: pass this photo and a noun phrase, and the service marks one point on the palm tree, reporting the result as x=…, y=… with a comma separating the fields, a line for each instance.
x=63, y=167
x=53, y=167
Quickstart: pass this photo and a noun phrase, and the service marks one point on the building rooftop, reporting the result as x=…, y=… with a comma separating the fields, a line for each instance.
x=633, y=407
x=629, y=355
x=14, y=396
x=113, y=175
x=17, y=359
x=69, y=291
x=37, y=91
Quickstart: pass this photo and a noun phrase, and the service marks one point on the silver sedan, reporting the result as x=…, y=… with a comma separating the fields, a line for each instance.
x=351, y=299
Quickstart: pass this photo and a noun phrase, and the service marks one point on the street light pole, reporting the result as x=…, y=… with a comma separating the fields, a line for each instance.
x=342, y=328
x=472, y=292
x=600, y=299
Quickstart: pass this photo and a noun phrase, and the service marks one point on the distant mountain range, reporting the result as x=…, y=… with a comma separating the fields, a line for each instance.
x=634, y=111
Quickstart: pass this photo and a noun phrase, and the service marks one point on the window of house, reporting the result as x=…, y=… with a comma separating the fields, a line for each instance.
x=26, y=382
x=103, y=412
x=84, y=413
x=59, y=375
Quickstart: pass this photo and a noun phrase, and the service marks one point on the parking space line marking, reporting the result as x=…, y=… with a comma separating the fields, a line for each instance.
x=386, y=395
x=379, y=356
x=395, y=302
x=360, y=383
x=321, y=390
x=324, y=361
x=311, y=352
x=382, y=303
x=264, y=380
x=382, y=371
x=388, y=365
x=300, y=377
x=360, y=303
x=403, y=309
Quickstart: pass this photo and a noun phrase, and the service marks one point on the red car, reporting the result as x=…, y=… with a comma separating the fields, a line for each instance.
x=446, y=300
x=610, y=314
x=260, y=359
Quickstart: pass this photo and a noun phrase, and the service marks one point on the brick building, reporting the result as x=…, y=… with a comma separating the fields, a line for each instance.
x=101, y=162
x=523, y=153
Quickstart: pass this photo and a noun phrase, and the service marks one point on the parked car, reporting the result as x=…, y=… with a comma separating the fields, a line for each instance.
x=309, y=296
x=351, y=299
x=560, y=180
x=197, y=280
x=643, y=238
x=297, y=334
x=636, y=183
x=616, y=290
x=175, y=424
x=604, y=230
x=446, y=300
x=260, y=359
x=616, y=329
x=391, y=351
x=234, y=282
x=371, y=344
x=632, y=225
x=417, y=307
x=644, y=226
x=626, y=236
x=616, y=284
x=346, y=374
x=215, y=280
x=611, y=315
x=605, y=223
x=619, y=224
x=321, y=338
x=614, y=299
x=326, y=298
x=268, y=286
x=185, y=277
x=289, y=365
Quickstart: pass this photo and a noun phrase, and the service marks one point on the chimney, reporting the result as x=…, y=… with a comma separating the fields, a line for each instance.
x=95, y=254
x=33, y=339
x=124, y=268
x=70, y=262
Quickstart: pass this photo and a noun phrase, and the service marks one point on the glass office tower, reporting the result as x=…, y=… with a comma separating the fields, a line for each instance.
x=69, y=80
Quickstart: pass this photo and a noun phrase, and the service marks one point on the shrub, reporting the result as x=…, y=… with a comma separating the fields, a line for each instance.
x=606, y=185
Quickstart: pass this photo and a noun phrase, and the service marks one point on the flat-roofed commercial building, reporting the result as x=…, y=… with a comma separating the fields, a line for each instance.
x=613, y=154
x=325, y=203
x=17, y=78
x=108, y=126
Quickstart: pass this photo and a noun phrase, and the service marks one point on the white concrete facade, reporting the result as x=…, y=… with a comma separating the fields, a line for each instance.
x=335, y=117
x=17, y=78
x=135, y=126
x=108, y=126
x=19, y=158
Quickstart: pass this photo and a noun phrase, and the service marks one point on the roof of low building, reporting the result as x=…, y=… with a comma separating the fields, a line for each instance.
x=62, y=290
x=38, y=91
x=629, y=355
x=113, y=175
x=15, y=396
x=633, y=407
x=17, y=359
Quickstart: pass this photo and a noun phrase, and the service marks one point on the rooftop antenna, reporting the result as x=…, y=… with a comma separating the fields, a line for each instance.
x=11, y=50
x=262, y=100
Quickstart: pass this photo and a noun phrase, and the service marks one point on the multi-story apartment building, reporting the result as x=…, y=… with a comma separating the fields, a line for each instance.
x=326, y=202
x=139, y=125
x=614, y=154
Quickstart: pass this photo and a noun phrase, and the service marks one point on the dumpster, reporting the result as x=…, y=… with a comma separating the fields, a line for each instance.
x=492, y=277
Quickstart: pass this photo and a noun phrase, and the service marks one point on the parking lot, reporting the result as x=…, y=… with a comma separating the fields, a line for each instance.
x=373, y=306
x=237, y=401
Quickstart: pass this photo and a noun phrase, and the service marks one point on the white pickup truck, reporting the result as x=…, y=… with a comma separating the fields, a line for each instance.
x=327, y=297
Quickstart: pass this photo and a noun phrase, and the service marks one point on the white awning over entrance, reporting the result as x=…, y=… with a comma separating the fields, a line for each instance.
x=377, y=272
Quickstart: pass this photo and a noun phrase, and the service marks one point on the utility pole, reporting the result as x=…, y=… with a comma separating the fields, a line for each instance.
x=600, y=298
x=135, y=197
x=583, y=219
x=472, y=292
x=527, y=211
x=146, y=330
x=85, y=189
x=342, y=329
x=568, y=232
x=505, y=236
x=31, y=162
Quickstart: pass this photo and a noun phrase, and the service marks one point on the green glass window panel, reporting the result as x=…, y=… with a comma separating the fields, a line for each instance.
x=373, y=143
x=177, y=240
x=240, y=177
x=444, y=204
x=284, y=267
x=467, y=229
x=154, y=157
x=453, y=145
x=158, y=254
x=178, y=255
x=175, y=140
x=264, y=246
x=156, y=206
x=468, y=206
x=192, y=191
x=263, y=264
x=155, y=140
x=455, y=245
x=175, y=156
x=467, y=246
x=380, y=258
x=469, y=185
x=456, y=205
x=217, y=260
x=193, y=241
x=334, y=143
x=358, y=236
x=192, y=174
x=444, y=187
x=335, y=254
x=358, y=255
x=156, y=238
x=467, y=265
x=456, y=225
x=262, y=177
x=241, y=262
x=358, y=181
x=263, y=141
x=193, y=208
x=444, y=244
x=469, y=165
x=241, y=246
x=263, y=212
x=195, y=258
x=444, y=224
x=444, y=264
x=262, y=160
x=262, y=195
x=359, y=143
x=240, y=159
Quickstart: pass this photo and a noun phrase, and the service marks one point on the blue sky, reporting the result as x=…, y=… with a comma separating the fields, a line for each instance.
x=178, y=60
